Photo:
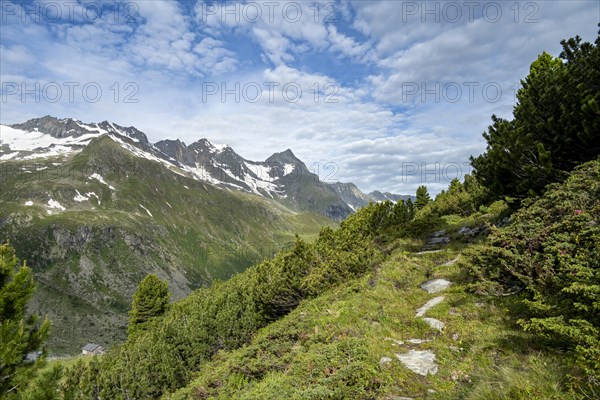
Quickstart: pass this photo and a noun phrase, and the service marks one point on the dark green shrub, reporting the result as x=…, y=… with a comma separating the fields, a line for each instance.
x=551, y=252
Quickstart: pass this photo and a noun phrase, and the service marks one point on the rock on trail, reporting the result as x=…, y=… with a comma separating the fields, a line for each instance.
x=436, y=285
x=420, y=362
x=429, y=305
x=435, y=323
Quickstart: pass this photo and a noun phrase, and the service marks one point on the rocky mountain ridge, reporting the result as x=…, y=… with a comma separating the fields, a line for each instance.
x=282, y=177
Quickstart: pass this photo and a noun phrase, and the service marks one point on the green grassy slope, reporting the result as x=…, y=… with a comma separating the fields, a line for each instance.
x=89, y=258
x=332, y=347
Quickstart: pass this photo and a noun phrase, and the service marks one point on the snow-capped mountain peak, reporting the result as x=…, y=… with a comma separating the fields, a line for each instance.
x=282, y=177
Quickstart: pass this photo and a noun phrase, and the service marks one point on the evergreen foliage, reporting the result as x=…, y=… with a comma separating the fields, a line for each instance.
x=460, y=198
x=551, y=251
x=554, y=128
x=423, y=197
x=20, y=334
x=149, y=301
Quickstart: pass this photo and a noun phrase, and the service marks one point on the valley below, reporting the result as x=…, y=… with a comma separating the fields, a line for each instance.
x=93, y=208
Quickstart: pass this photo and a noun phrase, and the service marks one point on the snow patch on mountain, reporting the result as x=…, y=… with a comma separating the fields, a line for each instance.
x=100, y=179
x=81, y=198
x=288, y=169
x=201, y=173
x=149, y=213
x=55, y=204
x=219, y=147
x=262, y=172
x=262, y=177
x=20, y=143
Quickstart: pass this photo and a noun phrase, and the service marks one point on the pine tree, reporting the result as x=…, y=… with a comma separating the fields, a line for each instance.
x=423, y=197
x=410, y=209
x=555, y=125
x=45, y=386
x=71, y=386
x=400, y=213
x=20, y=334
x=149, y=301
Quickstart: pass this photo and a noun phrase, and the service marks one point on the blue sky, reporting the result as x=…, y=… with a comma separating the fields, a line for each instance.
x=393, y=93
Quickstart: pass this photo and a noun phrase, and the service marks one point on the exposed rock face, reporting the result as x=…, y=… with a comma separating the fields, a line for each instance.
x=282, y=177
x=478, y=230
x=352, y=195
x=68, y=127
x=383, y=196
x=439, y=238
x=357, y=199
x=53, y=126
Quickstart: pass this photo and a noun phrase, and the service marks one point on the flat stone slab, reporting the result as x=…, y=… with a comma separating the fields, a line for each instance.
x=429, y=305
x=410, y=341
x=438, y=240
x=451, y=262
x=420, y=362
x=396, y=341
x=426, y=252
x=436, y=285
x=435, y=323
x=418, y=341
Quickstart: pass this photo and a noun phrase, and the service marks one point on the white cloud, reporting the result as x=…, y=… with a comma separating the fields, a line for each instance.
x=214, y=56
x=19, y=55
x=346, y=45
x=369, y=132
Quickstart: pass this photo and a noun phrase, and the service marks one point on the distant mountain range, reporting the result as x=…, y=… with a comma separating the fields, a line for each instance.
x=282, y=177
x=93, y=208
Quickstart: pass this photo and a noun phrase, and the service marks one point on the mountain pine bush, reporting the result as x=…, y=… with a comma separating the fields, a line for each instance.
x=555, y=125
x=149, y=301
x=551, y=252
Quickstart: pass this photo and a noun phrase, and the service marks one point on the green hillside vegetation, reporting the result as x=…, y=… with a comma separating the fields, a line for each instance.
x=551, y=252
x=89, y=258
x=332, y=347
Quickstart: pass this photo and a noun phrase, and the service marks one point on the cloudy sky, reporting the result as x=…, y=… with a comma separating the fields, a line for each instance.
x=386, y=94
